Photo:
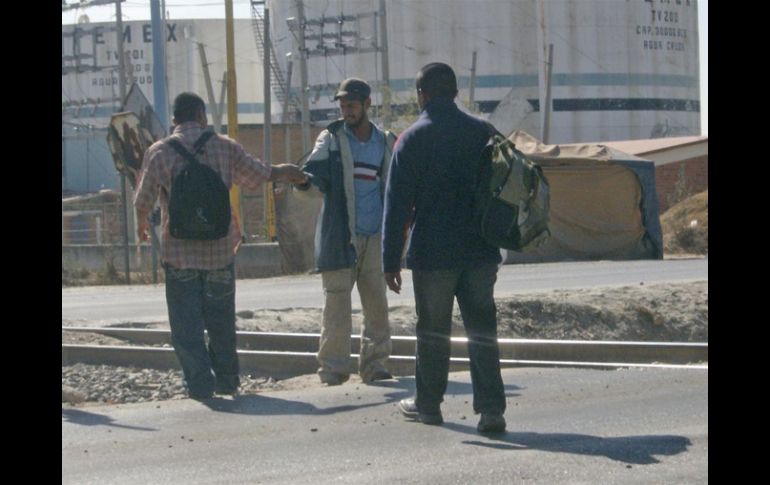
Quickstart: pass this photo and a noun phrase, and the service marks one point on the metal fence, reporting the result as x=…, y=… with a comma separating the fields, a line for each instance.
x=95, y=220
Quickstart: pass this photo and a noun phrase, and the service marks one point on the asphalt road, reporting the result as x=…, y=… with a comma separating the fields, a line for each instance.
x=105, y=305
x=564, y=426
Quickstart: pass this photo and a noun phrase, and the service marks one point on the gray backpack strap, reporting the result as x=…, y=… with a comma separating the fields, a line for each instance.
x=205, y=136
x=177, y=145
x=197, y=146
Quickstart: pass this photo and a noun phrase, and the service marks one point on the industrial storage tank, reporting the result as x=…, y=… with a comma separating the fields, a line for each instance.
x=195, y=61
x=90, y=88
x=620, y=69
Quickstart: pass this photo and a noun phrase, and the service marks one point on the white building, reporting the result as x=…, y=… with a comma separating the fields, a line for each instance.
x=622, y=69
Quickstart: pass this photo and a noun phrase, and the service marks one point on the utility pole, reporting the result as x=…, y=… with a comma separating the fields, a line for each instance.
x=160, y=93
x=64, y=154
x=543, y=66
x=267, y=132
x=88, y=159
x=303, y=77
x=159, y=64
x=386, y=115
x=285, y=116
x=215, y=107
x=339, y=46
x=471, y=95
x=215, y=115
x=547, y=107
x=232, y=102
x=222, y=93
x=122, y=88
x=267, y=122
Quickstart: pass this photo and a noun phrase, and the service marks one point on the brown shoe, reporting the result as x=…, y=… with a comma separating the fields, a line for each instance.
x=378, y=375
x=334, y=379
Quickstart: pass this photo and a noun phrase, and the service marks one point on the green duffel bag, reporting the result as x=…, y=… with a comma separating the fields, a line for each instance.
x=512, y=197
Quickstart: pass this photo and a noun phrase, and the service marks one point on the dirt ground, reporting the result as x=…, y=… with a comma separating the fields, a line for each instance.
x=685, y=226
x=674, y=312
x=671, y=312
x=653, y=312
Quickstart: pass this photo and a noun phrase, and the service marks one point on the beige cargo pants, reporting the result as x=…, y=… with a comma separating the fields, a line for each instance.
x=334, y=350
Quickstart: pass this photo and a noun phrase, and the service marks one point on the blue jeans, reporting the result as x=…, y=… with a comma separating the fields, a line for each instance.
x=434, y=294
x=201, y=299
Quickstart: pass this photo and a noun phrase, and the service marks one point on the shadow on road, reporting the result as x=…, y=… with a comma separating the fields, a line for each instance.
x=85, y=418
x=265, y=404
x=638, y=450
x=454, y=388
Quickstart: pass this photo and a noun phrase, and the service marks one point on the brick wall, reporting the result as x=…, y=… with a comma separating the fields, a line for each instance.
x=678, y=180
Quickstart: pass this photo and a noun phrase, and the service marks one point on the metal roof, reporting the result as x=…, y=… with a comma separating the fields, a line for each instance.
x=642, y=147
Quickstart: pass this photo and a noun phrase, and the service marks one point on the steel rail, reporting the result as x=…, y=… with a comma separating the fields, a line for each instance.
x=287, y=354
x=282, y=365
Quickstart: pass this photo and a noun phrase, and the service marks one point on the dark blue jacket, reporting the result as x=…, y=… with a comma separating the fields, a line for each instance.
x=331, y=165
x=431, y=186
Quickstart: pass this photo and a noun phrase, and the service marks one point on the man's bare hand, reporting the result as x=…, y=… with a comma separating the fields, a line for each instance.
x=143, y=228
x=287, y=172
x=394, y=281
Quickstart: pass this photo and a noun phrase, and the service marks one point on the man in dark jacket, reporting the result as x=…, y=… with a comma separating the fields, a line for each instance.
x=430, y=188
x=347, y=167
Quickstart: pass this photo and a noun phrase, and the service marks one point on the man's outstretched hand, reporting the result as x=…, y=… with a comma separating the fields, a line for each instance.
x=287, y=172
x=142, y=225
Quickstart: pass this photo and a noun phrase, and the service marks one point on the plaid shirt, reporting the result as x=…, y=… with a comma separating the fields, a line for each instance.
x=161, y=163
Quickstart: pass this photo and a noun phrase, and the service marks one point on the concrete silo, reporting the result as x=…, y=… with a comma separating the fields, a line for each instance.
x=621, y=69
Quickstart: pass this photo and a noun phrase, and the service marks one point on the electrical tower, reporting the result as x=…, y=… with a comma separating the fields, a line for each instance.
x=340, y=35
x=278, y=81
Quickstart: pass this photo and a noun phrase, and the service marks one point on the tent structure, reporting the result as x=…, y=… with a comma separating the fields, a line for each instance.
x=603, y=204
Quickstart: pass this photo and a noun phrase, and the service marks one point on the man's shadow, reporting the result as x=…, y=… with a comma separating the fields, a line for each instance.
x=638, y=450
x=85, y=418
x=455, y=388
x=628, y=449
x=264, y=404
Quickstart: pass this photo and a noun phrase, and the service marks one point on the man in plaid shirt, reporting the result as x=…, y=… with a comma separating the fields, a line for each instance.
x=200, y=275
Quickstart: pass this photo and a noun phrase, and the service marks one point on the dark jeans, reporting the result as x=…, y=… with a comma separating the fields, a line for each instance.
x=201, y=299
x=434, y=293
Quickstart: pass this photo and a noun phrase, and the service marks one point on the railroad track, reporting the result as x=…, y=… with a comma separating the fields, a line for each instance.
x=283, y=355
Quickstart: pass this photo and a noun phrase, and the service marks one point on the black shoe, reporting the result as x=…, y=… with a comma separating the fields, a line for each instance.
x=200, y=396
x=334, y=379
x=227, y=391
x=379, y=375
x=409, y=409
x=227, y=384
x=491, y=423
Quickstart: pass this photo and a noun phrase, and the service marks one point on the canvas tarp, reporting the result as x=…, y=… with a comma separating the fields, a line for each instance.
x=603, y=204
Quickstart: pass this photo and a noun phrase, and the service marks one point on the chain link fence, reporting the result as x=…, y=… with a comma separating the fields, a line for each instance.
x=93, y=248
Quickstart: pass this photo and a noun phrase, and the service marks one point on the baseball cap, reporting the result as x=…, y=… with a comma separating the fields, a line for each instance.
x=353, y=87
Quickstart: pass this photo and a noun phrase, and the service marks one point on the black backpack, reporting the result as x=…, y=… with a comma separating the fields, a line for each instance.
x=512, y=197
x=199, y=203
